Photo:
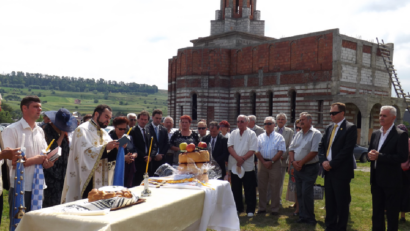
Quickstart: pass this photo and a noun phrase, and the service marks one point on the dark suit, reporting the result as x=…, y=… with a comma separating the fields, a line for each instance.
x=220, y=153
x=386, y=177
x=161, y=144
x=337, y=180
x=141, y=144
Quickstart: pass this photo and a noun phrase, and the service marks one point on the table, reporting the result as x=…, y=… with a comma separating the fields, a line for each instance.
x=166, y=209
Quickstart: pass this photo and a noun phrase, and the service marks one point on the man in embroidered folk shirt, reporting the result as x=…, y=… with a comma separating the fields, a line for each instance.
x=34, y=143
x=271, y=146
x=242, y=145
x=90, y=164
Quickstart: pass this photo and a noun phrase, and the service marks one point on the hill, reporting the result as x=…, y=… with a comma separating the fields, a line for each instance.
x=52, y=100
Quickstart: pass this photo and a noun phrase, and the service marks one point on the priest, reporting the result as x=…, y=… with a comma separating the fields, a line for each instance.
x=90, y=164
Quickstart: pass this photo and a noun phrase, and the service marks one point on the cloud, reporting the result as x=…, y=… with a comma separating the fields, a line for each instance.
x=382, y=5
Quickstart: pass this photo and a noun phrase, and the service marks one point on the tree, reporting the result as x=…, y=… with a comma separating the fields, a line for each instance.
x=95, y=100
x=121, y=103
x=76, y=107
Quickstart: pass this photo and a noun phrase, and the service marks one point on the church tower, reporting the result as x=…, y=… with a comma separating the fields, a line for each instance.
x=238, y=15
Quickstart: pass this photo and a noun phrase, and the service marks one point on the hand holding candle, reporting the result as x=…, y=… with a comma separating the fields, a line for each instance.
x=49, y=146
x=149, y=154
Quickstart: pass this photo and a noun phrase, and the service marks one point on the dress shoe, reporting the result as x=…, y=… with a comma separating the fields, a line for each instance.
x=261, y=212
x=275, y=213
x=301, y=220
x=250, y=214
x=295, y=214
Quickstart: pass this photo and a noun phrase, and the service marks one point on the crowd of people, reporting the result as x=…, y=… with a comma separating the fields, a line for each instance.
x=254, y=159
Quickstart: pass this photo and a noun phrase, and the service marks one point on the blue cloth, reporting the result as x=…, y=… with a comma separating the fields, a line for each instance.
x=268, y=146
x=37, y=189
x=119, y=168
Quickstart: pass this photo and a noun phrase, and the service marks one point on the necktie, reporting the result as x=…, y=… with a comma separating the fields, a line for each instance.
x=331, y=140
x=156, y=131
x=143, y=137
x=213, y=144
x=280, y=130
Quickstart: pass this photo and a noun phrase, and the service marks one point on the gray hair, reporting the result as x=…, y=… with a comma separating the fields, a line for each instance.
x=244, y=116
x=202, y=122
x=170, y=118
x=303, y=113
x=271, y=119
x=131, y=114
x=252, y=118
x=281, y=114
x=392, y=109
x=307, y=115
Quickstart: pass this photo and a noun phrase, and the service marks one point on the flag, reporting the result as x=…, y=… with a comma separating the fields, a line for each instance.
x=119, y=168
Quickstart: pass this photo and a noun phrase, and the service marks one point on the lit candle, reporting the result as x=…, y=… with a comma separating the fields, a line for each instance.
x=49, y=146
x=149, y=154
x=128, y=133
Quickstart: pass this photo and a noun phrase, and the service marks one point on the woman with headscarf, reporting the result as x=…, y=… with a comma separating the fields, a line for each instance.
x=405, y=197
x=62, y=122
x=291, y=195
x=224, y=126
x=120, y=128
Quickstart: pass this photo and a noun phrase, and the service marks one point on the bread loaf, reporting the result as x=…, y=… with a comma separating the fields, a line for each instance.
x=95, y=194
x=197, y=157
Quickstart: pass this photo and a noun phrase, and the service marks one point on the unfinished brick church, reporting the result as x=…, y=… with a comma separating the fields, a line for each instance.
x=238, y=70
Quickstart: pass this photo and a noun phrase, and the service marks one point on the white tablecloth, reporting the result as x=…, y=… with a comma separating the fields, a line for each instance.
x=166, y=209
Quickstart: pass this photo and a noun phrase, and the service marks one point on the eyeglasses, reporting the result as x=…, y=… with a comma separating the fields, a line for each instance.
x=133, y=119
x=240, y=121
x=298, y=128
x=333, y=113
x=267, y=123
x=202, y=128
x=122, y=129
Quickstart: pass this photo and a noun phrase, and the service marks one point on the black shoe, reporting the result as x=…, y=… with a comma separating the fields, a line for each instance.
x=403, y=219
x=275, y=213
x=261, y=212
x=295, y=214
x=301, y=220
x=311, y=222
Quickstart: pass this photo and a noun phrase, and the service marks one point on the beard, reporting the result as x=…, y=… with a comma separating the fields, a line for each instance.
x=101, y=124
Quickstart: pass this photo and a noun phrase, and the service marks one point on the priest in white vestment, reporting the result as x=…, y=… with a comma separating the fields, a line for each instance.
x=90, y=164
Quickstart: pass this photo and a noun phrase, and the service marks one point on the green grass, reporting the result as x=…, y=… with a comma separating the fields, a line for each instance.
x=360, y=210
x=66, y=99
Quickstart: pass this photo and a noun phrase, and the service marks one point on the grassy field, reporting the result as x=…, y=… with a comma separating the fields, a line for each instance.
x=360, y=211
x=66, y=99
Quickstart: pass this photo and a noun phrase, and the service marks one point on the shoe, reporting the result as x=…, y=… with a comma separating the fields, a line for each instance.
x=403, y=219
x=261, y=212
x=311, y=223
x=295, y=214
x=301, y=220
x=250, y=214
x=275, y=213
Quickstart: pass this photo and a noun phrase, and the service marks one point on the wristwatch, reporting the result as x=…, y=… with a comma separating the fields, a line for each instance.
x=273, y=161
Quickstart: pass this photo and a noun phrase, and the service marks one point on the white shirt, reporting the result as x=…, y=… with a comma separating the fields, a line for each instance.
x=329, y=157
x=270, y=145
x=243, y=144
x=382, y=139
x=226, y=135
x=35, y=142
x=171, y=132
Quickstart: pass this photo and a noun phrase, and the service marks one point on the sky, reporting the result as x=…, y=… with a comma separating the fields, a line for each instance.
x=132, y=40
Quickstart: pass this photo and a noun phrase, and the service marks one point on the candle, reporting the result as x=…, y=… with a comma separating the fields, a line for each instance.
x=149, y=154
x=49, y=146
x=128, y=133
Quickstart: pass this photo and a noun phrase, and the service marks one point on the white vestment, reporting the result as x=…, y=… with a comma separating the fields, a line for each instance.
x=85, y=163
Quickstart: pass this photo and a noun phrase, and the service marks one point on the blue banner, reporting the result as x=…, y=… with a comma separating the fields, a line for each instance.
x=119, y=168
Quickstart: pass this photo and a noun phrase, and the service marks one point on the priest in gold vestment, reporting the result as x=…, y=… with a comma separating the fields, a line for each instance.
x=90, y=164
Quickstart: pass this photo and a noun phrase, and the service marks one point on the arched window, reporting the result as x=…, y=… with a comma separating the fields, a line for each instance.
x=238, y=104
x=237, y=7
x=194, y=107
x=253, y=103
x=270, y=100
x=292, y=106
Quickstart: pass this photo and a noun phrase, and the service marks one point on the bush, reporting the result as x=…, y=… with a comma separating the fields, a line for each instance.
x=43, y=102
x=53, y=92
x=95, y=91
x=95, y=100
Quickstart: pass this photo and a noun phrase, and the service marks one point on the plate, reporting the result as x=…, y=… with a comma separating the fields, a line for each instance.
x=112, y=188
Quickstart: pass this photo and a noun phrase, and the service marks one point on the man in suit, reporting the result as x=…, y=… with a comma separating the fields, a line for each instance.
x=335, y=155
x=252, y=125
x=141, y=143
x=160, y=139
x=219, y=146
x=287, y=133
x=387, y=150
